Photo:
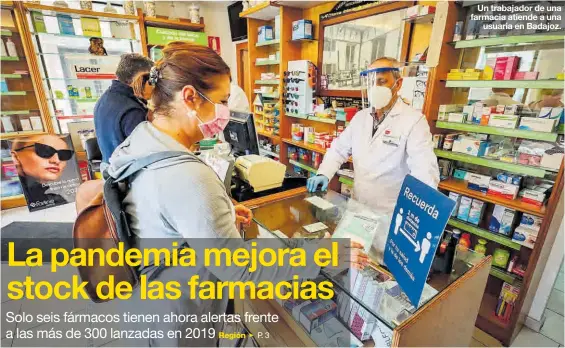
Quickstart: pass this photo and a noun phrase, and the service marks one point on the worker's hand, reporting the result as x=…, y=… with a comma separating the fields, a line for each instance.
x=350, y=256
x=243, y=215
x=315, y=181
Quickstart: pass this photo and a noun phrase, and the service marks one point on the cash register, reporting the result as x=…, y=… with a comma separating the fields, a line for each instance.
x=246, y=174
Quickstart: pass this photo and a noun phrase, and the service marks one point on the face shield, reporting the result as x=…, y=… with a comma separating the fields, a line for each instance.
x=373, y=96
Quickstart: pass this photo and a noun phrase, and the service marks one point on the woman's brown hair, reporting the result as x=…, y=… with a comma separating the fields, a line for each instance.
x=182, y=64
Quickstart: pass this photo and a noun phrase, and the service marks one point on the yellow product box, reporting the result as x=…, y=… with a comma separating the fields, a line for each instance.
x=472, y=76
x=456, y=71
x=455, y=76
x=488, y=71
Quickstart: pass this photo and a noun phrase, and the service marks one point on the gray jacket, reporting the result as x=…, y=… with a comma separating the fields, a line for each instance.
x=184, y=199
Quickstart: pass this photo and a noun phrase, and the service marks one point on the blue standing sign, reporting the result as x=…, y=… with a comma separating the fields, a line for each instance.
x=419, y=219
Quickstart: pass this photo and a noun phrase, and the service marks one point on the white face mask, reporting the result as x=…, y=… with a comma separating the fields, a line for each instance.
x=379, y=97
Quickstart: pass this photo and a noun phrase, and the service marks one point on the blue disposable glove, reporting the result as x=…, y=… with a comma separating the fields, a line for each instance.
x=315, y=181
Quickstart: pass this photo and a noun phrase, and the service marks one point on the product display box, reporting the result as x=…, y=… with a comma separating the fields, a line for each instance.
x=456, y=197
x=537, y=124
x=525, y=237
x=531, y=222
x=503, y=121
x=456, y=117
x=476, y=212
x=464, y=208
x=302, y=29
x=506, y=67
x=478, y=182
x=470, y=146
x=502, y=189
x=502, y=220
x=533, y=197
x=265, y=33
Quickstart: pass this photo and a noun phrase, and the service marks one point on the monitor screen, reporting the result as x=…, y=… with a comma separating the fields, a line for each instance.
x=238, y=26
x=240, y=134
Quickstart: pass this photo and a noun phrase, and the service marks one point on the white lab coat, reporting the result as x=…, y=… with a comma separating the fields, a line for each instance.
x=402, y=145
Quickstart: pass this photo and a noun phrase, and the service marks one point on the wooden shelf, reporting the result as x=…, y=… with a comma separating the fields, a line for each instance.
x=79, y=13
x=267, y=43
x=10, y=76
x=12, y=135
x=13, y=202
x=14, y=112
x=265, y=11
x=306, y=146
x=11, y=93
x=169, y=24
x=267, y=62
x=507, y=132
x=269, y=135
x=460, y=186
x=487, y=310
x=553, y=84
x=12, y=59
x=267, y=82
x=539, y=172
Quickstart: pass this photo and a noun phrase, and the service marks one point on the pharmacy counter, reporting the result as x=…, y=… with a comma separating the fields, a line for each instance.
x=369, y=307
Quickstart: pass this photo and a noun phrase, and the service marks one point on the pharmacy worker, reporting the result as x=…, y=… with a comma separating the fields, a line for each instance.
x=387, y=141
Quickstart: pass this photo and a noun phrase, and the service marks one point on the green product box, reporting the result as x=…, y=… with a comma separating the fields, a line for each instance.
x=38, y=22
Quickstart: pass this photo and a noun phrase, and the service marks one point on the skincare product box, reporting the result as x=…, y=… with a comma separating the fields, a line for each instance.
x=456, y=197
x=526, y=75
x=509, y=178
x=551, y=160
x=556, y=113
x=460, y=174
x=533, y=197
x=38, y=22
x=514, y=109
x=65, y=24
x=488, y=71
x=502, y=189
x=499, y=109
x=545, y=112
x=476, y=212
x=531, y=222
x=445, y=109
x=506, y=67
x=503, y=121
x=265, y=33
x=501, y=220
x=470, y=146
x=500, y=258
x=302, y=29
x=464, y=208
x=468, y=111
x=537, y=124
x=525, y=237
x=277, y=32
x=456, y=117
x=477, y=113
x=478, y=182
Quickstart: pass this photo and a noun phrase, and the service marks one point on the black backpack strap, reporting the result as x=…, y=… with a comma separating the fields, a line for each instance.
x=149, y=160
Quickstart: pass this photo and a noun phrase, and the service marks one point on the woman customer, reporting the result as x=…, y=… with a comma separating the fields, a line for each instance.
x=182, y=197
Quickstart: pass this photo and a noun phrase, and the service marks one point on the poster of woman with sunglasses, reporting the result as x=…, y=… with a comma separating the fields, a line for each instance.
x=47, y=169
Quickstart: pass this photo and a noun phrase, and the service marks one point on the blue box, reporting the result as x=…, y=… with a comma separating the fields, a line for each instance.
x=302, y=29
x=460, y=174
x=66, y=24
x=265, y=33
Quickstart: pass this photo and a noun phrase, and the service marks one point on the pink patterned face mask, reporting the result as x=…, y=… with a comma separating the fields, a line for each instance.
x=216, y=125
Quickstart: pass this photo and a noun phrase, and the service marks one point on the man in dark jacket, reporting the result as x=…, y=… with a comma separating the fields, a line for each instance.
x=119, y=110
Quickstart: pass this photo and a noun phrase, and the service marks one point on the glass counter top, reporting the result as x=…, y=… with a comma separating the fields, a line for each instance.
x=300, y=217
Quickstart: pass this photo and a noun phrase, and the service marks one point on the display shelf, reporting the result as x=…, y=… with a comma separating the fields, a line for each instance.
x=267, y=82
x=77, y=13
x=508, y=132
x=303, y=40
x=74, y=117
x=303, y=166
x=14, y=112
x=10, y=76
x=84, y=37
x=346, y=180
x=321, y=119
x=425, y=19
x=6, y=58
x=269, y=135
x=267, y=152
x=554, y=84
x=78, y=100
x=5, y=32
x=10, y=93
x=270, y=96
x=479, y=232
x=19, y=134
x=460, y=186
x=169, y=24
x=503, y=275
x=306, y=146
x=265, y=11
x=268, y=43
x=267, y=62
x=13, y=201
x=512, y=40
x=491, y=163
x=302, y=116
x=487, y=310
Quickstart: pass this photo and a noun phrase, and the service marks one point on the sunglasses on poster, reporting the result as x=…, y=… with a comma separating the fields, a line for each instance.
x=293, y=80
x=46, y=151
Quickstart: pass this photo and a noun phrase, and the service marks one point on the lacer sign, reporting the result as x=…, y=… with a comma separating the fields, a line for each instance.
x=95, y=71
x=418, y=222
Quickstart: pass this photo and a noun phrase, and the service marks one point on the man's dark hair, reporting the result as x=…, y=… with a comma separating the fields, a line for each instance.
x=132, y=64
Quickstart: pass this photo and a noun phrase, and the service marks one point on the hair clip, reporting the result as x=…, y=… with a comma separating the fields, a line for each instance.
x=154, y=76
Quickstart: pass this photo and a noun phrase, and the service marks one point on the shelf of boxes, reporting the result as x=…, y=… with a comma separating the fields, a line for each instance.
x=303, y=166
x=553, y=84
x=556, y=37
x=268, y=43
x=503, y=275
x=267, y=62
x=495, y=237
x=267, y=82
x=460, y=186
x=508, y=132
x=493, y=163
